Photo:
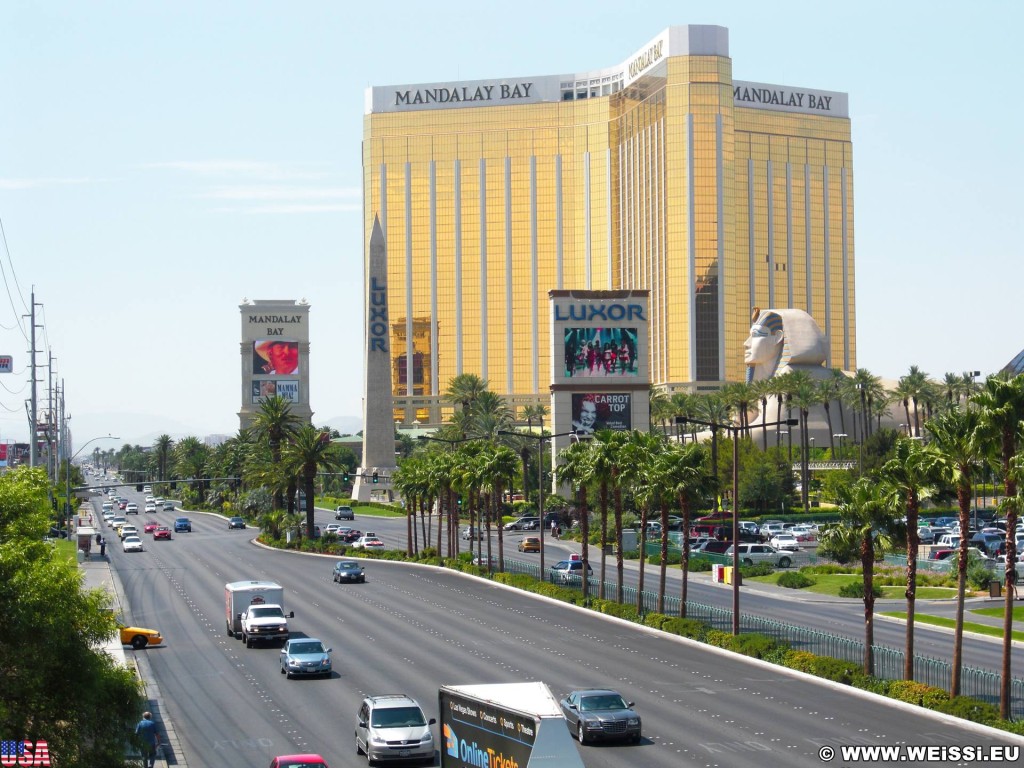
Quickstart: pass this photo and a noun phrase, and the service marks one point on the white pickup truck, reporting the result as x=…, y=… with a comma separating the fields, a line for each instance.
x=264, y=622
x=254, y=610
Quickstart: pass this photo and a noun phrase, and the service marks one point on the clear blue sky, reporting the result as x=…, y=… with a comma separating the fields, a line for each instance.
x=161, y=161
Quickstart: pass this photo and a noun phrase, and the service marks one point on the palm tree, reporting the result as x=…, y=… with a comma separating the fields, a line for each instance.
x=1001, y=402
x=831, y=389
x=274, y=423
x=636, y=460
x=907, y=479
x=604, y=469
x=190, y=462
x=866, y=526
x=309, y=451
x=955, y=440
x=574, y=471
x=690, y=480
x=806, y=395
x=530, y=413
x=661, y=408
x=499, y=468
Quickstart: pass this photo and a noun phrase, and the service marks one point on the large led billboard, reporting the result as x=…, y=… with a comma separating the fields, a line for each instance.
x=264, y=388
x=592, y=411
x=275, y=356
x=600, y=352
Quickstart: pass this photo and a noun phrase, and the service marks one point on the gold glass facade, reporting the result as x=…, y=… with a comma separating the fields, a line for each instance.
x=677, y=180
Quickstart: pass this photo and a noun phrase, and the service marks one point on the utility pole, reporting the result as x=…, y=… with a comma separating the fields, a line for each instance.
x=33, y=451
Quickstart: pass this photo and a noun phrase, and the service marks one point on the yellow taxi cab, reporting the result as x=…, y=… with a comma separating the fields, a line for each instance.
x=530, y=544
x=138, y=637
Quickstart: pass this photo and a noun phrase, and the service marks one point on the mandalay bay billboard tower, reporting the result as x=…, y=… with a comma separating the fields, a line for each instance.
x=661, y=174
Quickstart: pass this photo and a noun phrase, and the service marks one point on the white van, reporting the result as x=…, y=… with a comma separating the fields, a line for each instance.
x=949, y=540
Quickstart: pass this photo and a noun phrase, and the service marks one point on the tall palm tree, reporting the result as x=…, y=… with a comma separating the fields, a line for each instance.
x=908, y=478
x=530, y=413
x=689, y=478
x=499, y=469
x=574, y=471
x=831, y=391
x=604, y=470
x=661, y=408
x=273, y=424
x=867, y=526
x=190, y=455
x=806, y=395
x=308, y=451
x=636, y=459
x=959, y=454
x=1001, y=402
x=463, y=392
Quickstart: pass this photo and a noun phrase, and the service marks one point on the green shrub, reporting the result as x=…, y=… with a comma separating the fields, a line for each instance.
x=699, y=564
x=967, y=708
x=794, y=580
x=611, y=608
x=691, y=628
x=837, y=670
x=829, y=569
x=978, y=576
x=674, y=558
x=655, y=620
x=757, y=569
x=752, y=644
x=917, y=693
x=856, y=589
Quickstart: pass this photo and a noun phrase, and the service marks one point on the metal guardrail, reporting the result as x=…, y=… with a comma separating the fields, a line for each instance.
x=982, y=684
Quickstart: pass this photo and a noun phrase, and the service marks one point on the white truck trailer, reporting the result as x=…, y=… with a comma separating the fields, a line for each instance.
x=254, y=610
x=504, y=724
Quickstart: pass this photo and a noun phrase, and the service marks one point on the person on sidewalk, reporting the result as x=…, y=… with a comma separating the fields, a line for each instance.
x=149, y=739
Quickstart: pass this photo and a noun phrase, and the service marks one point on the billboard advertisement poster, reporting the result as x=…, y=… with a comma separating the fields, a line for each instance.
x=600, y=352
x=289, y=390
x=3, y=454
x=592, y=411
x=275, y=356
x=261, y=390
x=6, y=363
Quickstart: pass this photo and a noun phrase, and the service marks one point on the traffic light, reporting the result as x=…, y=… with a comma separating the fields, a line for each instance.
x=376, y=478
x=344, y=476
x=138, y=487
x=459, y=500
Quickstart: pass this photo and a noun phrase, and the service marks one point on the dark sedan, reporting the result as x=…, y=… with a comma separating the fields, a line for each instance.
x=236, y=522
x=348, y=570
x=600, y=714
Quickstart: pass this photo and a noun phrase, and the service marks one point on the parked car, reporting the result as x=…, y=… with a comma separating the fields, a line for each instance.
x=762, y=553
x=393, y=727
x=163, y=532
x=349, y=571
x=343, y=512
x=182, y=524
x=529, y=544
x=784, y=540
x=713, y=547
x=600, y=714
x=305, y=656
x=236, y=522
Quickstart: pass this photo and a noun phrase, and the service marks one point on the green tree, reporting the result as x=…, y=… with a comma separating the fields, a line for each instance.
x=958, y=454
x=574, y=471
x=190, y=457
x=273, y=424
x=867, y=527
x=309, y=451
x=162, y=447
x=689, y=477
x=58, y=686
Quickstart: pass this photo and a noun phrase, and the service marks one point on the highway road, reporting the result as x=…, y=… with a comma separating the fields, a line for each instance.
x=412, y=628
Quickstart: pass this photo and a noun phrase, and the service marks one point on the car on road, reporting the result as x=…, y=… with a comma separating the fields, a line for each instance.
x=122, y=504
x=569, y=571
x=107, y=507
x=308, y=760
x=150, y=507
x=168, y=506
x=368, y=542
x=529, y=544
x=131, y=508
x=305, y=656
x=346, y=534
x=600, y=714
x=784, y=540
x=762, y=553
x=127, y=530
x=163, y=532
x=483, y=561
x=393, y=727
x=138, y=637
x=236, y=522
x=343, y=512
x=147, y=489
x=349, y=570
x=472, y=532
x=182, y=524
x=132, y=544
x=332, y=529
x=523, y=524
x=150, y=526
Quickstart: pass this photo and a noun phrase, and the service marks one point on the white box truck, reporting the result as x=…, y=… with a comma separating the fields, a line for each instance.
x=513, y=724
x=254, y=611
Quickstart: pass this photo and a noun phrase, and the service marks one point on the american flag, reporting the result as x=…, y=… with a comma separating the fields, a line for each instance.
x=12, y=748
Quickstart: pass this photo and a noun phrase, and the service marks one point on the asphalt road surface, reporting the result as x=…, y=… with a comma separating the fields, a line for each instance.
x=413, y=628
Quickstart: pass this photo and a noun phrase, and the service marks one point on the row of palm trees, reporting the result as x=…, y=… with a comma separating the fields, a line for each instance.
x=963, y=441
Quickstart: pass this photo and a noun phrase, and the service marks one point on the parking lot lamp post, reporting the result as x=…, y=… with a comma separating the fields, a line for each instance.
x=841, y=436
x=540, y=479
x=734, y=432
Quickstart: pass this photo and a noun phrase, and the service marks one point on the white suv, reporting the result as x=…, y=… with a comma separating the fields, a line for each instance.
x=393, y=727
x=762, y=553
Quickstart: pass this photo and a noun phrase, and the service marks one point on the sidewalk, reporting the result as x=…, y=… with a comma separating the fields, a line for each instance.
x=99, y=575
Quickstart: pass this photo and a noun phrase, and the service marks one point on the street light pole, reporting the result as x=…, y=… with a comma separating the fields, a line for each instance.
x=453, y=538
x=734, y=431
x=540, y=478
x=840, y=435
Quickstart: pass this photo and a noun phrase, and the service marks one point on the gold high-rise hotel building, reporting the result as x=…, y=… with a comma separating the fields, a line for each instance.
x=661, y=173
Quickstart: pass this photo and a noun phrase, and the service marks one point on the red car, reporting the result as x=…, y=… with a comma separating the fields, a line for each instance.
x=163, y=532
x=122, y=504
x=150, y=526
x=298, y=761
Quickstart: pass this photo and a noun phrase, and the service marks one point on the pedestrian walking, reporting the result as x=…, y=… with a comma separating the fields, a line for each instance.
x=103, y=546
x=149, y=739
